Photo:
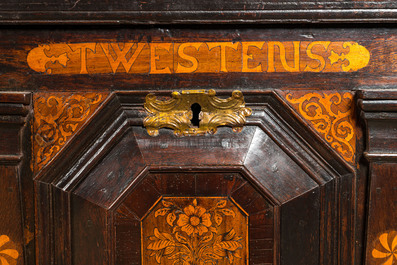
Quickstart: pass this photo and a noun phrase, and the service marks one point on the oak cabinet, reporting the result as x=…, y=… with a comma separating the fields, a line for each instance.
x=197, y=140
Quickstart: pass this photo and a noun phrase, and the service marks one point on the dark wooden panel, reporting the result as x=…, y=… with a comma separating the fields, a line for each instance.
x=89, y=233
x=275, y=170
x=382, y=213
x=113, y=174
x=10, y=214
x=299, y=230
x=378, y=111
x=226, y=148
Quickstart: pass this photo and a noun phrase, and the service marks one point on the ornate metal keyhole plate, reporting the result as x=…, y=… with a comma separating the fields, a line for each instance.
x=176, y=113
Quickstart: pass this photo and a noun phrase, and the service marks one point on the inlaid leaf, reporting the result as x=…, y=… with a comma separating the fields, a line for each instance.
x=228, y=212
x=230, y=235
x=212, y=229
x=161, y=212
x=207, y=238
x=218, y=218
x=212, y=255
x=176, y=228
x=169, y=250
x=167, y=203
x=221, y=204
x=159, y=254
x=159, y=244
x=230, y=257
x=180, y=238
x=230, y=245
x=158, y=234
x=171, y=217
x=163, y=236
x=168, y=237
x=195, y=202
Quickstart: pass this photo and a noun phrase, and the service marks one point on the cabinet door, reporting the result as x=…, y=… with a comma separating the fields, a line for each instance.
x=268, y=194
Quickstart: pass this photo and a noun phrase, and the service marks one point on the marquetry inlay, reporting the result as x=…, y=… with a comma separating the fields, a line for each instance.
x=195, y=230
x=8, y=255
x=198, y=57
x=57, y=117
x=331, y=115
x=385, y=251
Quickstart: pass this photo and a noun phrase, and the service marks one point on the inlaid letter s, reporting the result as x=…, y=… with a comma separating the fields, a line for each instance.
x=182, y=69
x=316, y=56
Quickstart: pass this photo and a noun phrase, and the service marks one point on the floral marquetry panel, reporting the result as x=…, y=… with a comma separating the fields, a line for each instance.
x=57, y=117
x=194, y=218
x=199, y=230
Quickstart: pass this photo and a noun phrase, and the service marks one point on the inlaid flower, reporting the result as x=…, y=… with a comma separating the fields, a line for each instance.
x=194, y=220
x=7, y=255
x=390, y=255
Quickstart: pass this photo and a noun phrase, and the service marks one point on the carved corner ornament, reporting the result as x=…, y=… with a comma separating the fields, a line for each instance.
x=331, y=115
x=57, y=117
x=8, y=255
x=211, y=112
x=385, y=250
x=193, y=231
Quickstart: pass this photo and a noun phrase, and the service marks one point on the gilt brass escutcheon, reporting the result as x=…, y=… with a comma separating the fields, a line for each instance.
x=178, y=112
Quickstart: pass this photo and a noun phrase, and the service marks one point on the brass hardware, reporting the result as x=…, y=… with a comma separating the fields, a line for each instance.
x=176, y=113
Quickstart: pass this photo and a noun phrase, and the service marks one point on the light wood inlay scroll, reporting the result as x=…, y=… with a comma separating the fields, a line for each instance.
x=57, y=117
x=331, y=115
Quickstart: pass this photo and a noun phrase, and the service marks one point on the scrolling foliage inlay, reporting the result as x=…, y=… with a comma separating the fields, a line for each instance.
x=331, y=114
x=57, y=116
x=195, y=231
x=385, y=251
x=176, y=113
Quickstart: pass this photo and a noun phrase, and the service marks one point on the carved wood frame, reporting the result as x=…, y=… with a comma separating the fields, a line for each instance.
x=122, y=110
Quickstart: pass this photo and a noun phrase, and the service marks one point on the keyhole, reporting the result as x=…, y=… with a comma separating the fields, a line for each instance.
x=196, y=109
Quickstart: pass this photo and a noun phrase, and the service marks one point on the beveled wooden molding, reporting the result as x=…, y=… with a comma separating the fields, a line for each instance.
x=283, y=15
x=14, y=113
x=177, y=112
x=57, y=117
x=331, y=115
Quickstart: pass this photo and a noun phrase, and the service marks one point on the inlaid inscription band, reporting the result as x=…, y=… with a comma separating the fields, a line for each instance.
x=198, y=57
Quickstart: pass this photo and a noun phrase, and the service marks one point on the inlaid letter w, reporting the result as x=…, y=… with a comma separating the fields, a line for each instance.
x=117, y=55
